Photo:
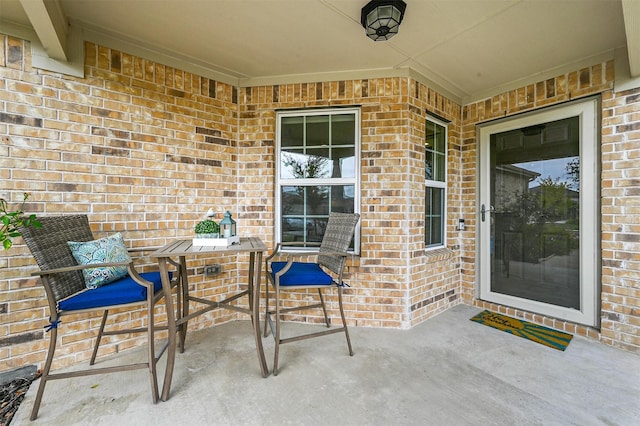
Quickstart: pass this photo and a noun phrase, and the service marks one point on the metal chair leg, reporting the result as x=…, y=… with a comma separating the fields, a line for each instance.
x=324, y=309
x=45, y=373
x=344, y=321
x=179, y=300
x=98, y=339
x=266, y=309
x=184, y=287
x=151, y=354
x=277, y=334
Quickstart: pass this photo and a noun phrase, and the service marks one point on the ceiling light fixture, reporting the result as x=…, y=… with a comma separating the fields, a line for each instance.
x=381, y=18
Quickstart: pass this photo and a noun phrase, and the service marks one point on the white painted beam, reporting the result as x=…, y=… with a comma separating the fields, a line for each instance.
x=50, y=24
x=631, y=12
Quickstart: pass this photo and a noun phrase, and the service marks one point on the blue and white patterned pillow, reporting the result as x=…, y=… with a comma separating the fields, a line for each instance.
x=104, y=250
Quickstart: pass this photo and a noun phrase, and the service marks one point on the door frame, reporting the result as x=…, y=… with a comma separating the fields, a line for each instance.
x=590, y=217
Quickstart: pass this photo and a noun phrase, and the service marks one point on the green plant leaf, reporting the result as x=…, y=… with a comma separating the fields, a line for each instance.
x=11, y=221
x=207, y=227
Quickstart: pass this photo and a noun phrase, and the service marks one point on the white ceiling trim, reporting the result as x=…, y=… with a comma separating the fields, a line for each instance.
x=631, y=12
x=39, y=57
x=50, y=24
x=102, y=37
x=535, y=78
x=400, y=72
x=115, y=41
x=623, y=79
x=56, y=46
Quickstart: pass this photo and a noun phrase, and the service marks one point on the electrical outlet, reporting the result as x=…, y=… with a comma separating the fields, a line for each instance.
x=211, y=270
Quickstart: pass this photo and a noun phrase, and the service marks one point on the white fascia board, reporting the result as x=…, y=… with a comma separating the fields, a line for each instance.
x=50, y=24
x=39, y=57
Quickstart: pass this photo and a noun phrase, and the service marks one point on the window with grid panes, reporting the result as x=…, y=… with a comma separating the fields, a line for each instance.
x=435, y=147
x=317, y=170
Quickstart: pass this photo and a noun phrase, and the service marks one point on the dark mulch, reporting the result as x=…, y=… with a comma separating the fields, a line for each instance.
x=11, y=395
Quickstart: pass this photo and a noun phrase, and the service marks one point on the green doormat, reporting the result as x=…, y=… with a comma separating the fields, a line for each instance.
x=543, y=335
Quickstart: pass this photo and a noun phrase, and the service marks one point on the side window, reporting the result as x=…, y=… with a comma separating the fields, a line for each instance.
x=435, y=186
x=317, y=171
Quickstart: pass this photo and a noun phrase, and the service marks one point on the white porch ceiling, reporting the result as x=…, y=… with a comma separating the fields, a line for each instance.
x=468, y=48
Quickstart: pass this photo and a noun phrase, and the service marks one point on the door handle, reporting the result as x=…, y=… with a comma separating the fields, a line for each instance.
x=483, y=211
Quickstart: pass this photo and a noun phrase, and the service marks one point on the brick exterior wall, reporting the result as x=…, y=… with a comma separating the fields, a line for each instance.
x=390, y=286
x=139, y=147
x=620, y=197
x=146, y=149
x=621, y=219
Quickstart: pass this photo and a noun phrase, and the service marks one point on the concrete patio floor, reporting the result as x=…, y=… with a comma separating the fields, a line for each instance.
x=446, y=371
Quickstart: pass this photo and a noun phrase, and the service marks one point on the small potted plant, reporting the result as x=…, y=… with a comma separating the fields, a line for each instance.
x=207, y=231
x=210, y=233
x=208, y=228
x=11, y=221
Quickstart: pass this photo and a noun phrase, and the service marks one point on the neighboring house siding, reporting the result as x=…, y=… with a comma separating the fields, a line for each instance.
x=147, y=149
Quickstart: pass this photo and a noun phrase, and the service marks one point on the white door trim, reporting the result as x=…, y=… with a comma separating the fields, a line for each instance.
x=590, y=256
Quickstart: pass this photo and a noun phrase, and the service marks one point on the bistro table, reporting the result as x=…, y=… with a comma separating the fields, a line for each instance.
x=177, y=320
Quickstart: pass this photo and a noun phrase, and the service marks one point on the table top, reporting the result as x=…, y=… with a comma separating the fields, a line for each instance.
x=185, y=247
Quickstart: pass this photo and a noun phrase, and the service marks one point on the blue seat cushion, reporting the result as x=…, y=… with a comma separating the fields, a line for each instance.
x=124, y=290
x=301, y=274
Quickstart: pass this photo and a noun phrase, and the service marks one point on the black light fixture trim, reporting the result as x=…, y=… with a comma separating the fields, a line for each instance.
x=381, y=18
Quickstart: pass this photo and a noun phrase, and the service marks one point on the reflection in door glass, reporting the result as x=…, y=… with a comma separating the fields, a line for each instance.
x=535, y=189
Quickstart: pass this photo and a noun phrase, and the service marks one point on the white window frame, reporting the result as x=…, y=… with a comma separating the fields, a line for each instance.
x=428, y=183
x=280, y=182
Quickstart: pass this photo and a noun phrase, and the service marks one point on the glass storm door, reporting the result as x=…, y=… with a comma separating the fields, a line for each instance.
x=538, y=213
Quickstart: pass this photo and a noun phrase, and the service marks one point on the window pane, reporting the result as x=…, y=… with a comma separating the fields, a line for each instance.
x=303, y=228
x=292, y=164
x=296, y=165
x=436, y=231
x=292, y=200
x=435, y=137
x=292, y=131
x=430, y=135
x=343, y=129
x=317, y=200
x=317, y=130
x=315, y=229
x=293, y=228
x=428, y=165
x=434, y=209
x=342, y=199
x=440, y=167
x=344, y=161
x=306, y=208
x=435, y=147
x=439, y=137
x=305, y=199
x=318, y=163
x=317, y=153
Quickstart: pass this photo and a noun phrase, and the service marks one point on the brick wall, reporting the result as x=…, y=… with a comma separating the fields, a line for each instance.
x=620, y=196
x=137, y=146
x=389, y=285
x=146, y=149
x=621, y=219
x=434, y=276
